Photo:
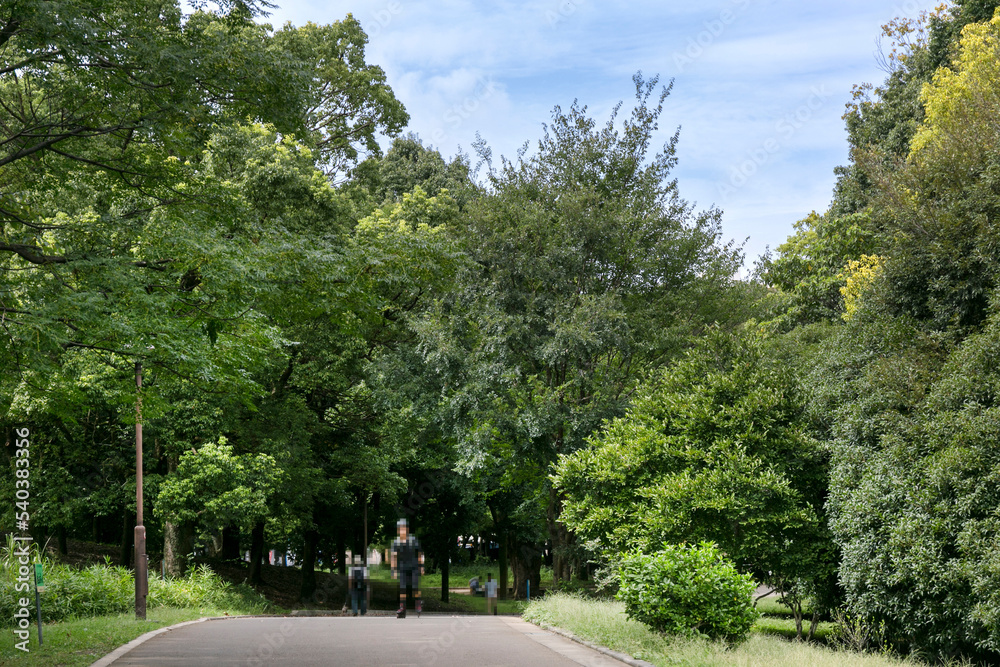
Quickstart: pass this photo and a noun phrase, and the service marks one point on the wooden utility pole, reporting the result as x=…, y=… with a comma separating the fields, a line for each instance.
x=141, y=566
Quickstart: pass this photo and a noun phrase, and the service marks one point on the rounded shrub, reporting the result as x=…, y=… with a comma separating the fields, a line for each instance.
x=688, y=591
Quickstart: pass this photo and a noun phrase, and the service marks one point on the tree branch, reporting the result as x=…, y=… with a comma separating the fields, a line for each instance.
x=32, y=253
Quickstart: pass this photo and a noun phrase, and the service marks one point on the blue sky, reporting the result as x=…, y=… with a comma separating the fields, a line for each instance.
x=760, y=85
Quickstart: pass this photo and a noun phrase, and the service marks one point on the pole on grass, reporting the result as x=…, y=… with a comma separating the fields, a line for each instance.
x=39, y=587
x=140, y=530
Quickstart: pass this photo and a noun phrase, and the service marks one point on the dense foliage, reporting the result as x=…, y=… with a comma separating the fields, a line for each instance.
x=99, y=590
x=688, y=591
x=715, y=447
x=549, y=351
x=902, y=389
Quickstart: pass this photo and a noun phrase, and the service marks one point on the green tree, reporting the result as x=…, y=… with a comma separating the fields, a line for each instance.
x=808, y=272
x=107, y=210
x=906, y=388
x=162, y=199
x=715, y=447
x=213, y=487
x=409, y=164
x=942, y=200
x=347, y=102
x=589, y=271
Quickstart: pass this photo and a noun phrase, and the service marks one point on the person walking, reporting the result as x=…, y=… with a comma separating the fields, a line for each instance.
x=407, y=561
x=358, y=585
x=491, y=594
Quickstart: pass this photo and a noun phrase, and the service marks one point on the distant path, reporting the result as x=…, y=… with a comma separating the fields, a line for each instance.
x=451, y=641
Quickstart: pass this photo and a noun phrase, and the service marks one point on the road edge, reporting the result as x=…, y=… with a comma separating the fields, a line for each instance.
x=108, y=659
x=622, y=657
x=141, y=639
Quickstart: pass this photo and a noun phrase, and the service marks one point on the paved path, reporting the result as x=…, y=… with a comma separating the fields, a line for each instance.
x=483, y=641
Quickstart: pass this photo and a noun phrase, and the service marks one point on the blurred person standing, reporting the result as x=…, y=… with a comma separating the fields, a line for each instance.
x=407, y=561
x=491, y=594
x=358, y=585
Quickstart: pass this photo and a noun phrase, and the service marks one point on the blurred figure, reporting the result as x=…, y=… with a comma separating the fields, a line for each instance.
x=357, y=582
x=491, y=594
x=407, y=561
x=474, y=587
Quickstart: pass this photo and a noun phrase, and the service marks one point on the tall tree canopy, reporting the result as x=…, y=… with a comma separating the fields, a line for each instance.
x=115, y=229
x=589, y=271
x=900, y=387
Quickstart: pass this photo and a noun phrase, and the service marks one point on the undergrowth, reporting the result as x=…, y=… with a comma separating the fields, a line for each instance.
x=100, y=590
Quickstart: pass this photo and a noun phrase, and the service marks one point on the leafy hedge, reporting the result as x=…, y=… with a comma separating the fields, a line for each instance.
x=106, y=589
x=688, y=591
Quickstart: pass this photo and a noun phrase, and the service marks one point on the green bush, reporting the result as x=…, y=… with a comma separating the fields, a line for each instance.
x=915, y=484
x=688, y=591
x=106, y=589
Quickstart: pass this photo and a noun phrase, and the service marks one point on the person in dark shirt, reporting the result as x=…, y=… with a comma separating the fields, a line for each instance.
x=358, y=585
x=407, y=560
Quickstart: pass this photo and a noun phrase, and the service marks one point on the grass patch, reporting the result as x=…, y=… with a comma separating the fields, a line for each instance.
x=103, y=590
x=458, y=577
x=604, y=622
x=785, y=627
x=770, y=606
x=82, y=641
x=89, y=612
x=477, y=605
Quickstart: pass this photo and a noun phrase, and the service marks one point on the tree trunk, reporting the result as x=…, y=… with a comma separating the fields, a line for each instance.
x=256, y=552
x=526, y=560
x=364, y=532
x=178, y=542
x=813, y=625
x=308, y=565
x=128, y=536
x=561, y=540
x=215, y=544
x=231, y=543
x=445, y=570
x=341, y=554
x=61, y=537
x=502, y=593
x=513, y=557
x=797, y=611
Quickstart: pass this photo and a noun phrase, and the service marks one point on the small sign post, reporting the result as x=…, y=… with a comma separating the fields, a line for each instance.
x=39, y=588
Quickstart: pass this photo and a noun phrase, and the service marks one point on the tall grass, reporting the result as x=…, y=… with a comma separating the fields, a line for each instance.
x=106, y=589
x=604, y=622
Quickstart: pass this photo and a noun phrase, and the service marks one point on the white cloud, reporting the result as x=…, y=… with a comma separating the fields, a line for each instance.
x=498, y=68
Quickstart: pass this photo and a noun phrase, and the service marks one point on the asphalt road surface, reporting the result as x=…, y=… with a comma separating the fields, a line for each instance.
x=479, y=641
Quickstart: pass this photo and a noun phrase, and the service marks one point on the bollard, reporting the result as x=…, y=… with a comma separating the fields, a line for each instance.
x=39, y=587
